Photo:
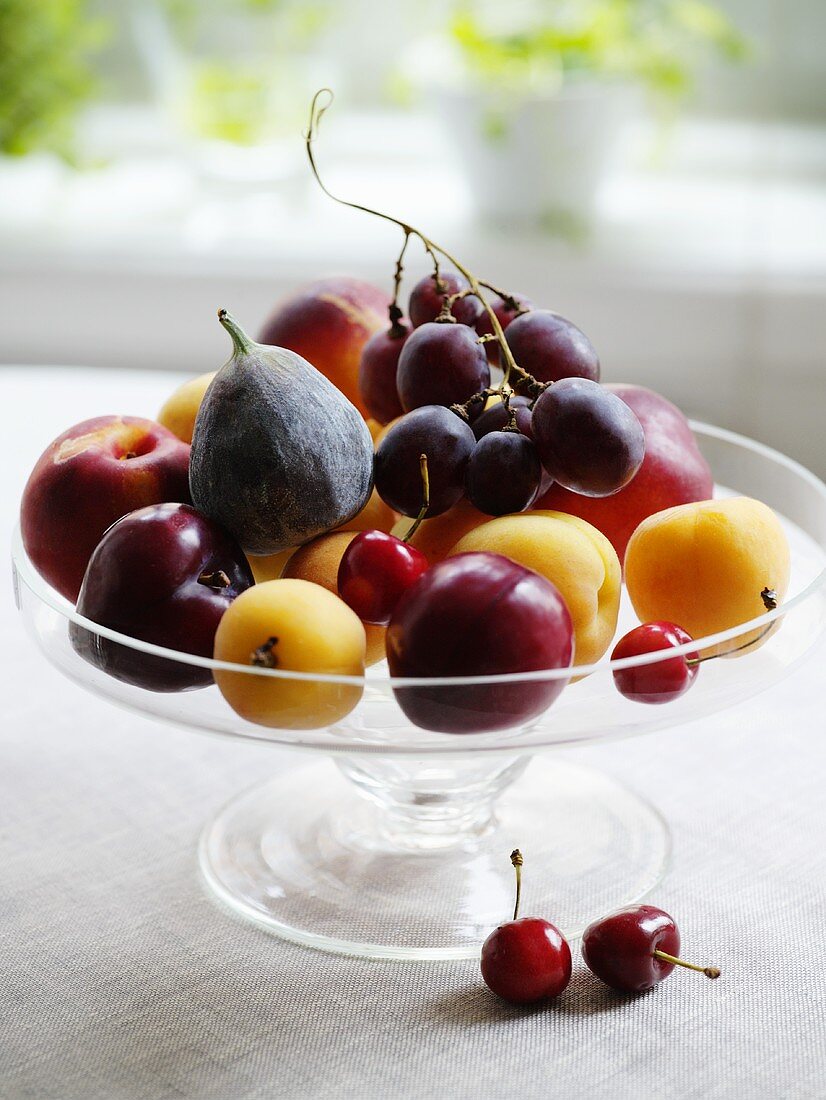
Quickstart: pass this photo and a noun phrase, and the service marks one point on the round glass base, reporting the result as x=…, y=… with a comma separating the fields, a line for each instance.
x=306, y=857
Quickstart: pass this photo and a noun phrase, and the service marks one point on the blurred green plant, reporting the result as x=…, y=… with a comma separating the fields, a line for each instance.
x=45, y=73
x=242, y=85
x=656, y=43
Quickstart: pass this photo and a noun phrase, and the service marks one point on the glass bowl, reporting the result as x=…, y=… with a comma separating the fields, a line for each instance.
x=396, y=843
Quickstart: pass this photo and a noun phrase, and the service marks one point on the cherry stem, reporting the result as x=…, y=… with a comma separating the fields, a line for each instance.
x=425, y=499
x=709, y=971
x=512, y=371
x=517, y=861
x=769, y=598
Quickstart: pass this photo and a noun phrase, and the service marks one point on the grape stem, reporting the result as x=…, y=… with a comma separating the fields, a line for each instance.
x=513, y=373
x=395, y=310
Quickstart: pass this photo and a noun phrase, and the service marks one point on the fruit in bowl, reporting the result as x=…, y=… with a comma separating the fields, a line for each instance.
x=707, y=566
x=319, y=561
x=91, y=475
x=441, y=363
x=673, y=472
x=427, y=299
x=477, y=615
x=180, y=410
x=279, y=455
x=574, y=556
x=165, y=575
x=292, y=626
x=328, y=323
x=378, y=370
x=436, y=537
x=551, y=347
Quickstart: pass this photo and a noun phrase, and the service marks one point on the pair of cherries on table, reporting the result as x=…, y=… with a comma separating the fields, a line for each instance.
x=528, y=959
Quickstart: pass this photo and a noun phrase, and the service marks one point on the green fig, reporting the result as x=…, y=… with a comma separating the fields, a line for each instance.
x=279, y=455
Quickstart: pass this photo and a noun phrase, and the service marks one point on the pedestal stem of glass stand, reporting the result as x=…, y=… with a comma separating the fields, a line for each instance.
x=428, y=804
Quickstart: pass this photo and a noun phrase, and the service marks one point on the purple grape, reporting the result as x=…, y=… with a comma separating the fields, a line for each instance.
x=588, y=439
x=426, y=301
x=550, y=347
x=441, y=364
x=503, y=474
x=504, y=315
x=377, y=372
x=496, y=417
x=447, y=441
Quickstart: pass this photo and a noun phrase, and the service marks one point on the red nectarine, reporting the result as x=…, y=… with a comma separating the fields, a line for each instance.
x=90, y=476
x=329, y=322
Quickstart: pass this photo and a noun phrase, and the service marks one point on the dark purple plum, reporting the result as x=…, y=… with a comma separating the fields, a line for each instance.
x=504, y=314
x=426, y=300
x=479, y=615
x=550, y=347
x=441, y=364
x=504, y=473
x=447, y=441
x=377, y=372
x=589, y=440
x=163, y=574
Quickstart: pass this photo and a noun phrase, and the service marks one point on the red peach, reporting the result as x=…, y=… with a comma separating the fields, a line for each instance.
x=673, y=472
x=329, y=322
x=90, y=476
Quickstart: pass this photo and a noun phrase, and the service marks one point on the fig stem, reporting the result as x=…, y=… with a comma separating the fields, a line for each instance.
x=517, y=861
x=770, y=601
x=240, y=341
x=709, y=971
x=425, y=499
x=512, y=371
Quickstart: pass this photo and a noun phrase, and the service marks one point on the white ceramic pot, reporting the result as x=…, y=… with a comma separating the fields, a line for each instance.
x=538, y=160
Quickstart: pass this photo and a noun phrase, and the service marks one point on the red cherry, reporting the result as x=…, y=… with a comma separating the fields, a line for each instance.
x=635, y=948
x=661, y=681
x=525, y=960
x=375, y=572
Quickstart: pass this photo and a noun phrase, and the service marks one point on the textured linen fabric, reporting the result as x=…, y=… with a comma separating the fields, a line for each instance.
x=121, y=980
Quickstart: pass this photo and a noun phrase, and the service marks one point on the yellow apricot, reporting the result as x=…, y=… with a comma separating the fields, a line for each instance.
x=297, y=626
x=375, y=427
x=181, y=407
x=318, y=561
x=704, y=565
x=374, y=516
x=436, y=537
x=574, y=556
x=269, y=567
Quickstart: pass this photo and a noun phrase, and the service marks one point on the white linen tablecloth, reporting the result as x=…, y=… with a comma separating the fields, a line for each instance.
x=119, y=978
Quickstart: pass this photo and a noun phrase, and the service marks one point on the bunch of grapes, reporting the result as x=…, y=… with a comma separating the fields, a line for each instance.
x=502, y=446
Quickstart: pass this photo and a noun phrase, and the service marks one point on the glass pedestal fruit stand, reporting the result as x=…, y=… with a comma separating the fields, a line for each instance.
x=390, y=841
